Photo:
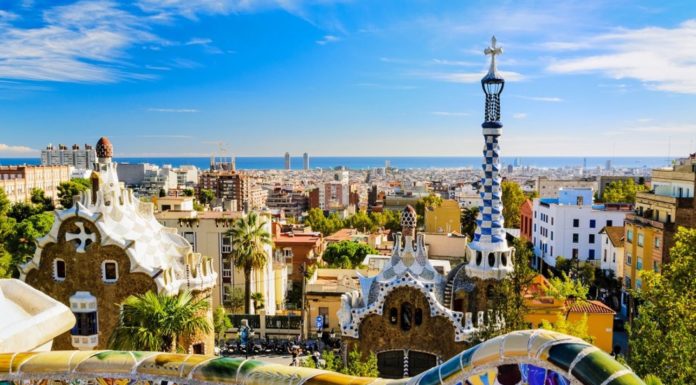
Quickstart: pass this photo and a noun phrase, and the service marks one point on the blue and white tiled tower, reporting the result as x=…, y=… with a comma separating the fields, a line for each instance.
x=489, y=254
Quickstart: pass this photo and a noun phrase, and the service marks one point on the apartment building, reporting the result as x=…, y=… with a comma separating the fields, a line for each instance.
x=82, y=159
x=569, y=226
x=18, y=181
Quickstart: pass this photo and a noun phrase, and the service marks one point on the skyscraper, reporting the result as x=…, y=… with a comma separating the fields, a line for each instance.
x=287, y=160
x=489, y=254
x=305, y=161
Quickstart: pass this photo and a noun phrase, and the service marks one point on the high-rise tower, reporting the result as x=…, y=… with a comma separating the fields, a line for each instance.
x=305, y=161
x=488, y=253
x=287, y=160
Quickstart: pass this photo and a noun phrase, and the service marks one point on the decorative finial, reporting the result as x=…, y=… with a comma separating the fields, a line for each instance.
x=493, y=51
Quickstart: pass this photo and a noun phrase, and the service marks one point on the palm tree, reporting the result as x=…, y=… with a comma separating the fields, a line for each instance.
x=155, y=321
x=258, y=300
x=469, y=221
x=248, y=239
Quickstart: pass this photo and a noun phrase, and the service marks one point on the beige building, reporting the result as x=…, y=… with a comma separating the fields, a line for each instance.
x=323, y=296
x=18, y=181
x=548, y=188
x=445, y=218
x=207, y=233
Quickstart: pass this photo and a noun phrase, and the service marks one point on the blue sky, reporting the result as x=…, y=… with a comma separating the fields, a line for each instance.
x=378, y=77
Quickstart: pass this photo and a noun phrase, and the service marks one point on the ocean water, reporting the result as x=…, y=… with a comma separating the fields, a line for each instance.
x=411, y=162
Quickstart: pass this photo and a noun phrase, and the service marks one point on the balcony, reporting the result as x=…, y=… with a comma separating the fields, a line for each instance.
x=226, y=249
x=637, y=219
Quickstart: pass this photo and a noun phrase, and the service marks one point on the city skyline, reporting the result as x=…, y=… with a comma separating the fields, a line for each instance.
x=343, y=78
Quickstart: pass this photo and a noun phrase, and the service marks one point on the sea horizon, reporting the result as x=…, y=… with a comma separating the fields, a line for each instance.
x=399, y=162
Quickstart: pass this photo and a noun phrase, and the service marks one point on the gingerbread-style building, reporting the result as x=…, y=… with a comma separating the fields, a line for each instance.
x=412, y=317
x=109, y=246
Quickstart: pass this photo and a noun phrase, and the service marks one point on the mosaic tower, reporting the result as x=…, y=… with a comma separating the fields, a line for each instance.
x=489, y=254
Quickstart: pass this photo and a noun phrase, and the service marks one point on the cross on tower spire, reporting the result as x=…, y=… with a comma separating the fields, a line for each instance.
x=493, y=50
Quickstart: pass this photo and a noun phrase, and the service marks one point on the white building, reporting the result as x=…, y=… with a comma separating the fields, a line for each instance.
x=612, y=240
x=569, y=225
x=63, y=156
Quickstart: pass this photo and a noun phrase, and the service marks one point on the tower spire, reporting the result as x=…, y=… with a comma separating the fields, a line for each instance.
x=489, y=254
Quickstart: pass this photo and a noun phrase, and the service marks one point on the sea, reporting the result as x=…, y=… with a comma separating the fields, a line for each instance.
x=399, y=162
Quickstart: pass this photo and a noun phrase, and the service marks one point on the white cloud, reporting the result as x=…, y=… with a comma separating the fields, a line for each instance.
x=198, y=41
x=456, y=63
x=81, y=42
x=174, y=110
x=519, y=115
x=661, y=58
x=16, y=150
x=467, y=77
x=448, y=113
x=550, y=99
x=165, y=136
x=328, y=39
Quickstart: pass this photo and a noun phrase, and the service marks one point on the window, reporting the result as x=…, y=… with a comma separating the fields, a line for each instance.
x=593, y=223
x=86, y=324
x=591, y=238
x=190, y=236
x=551, y=251
x=109, y=271
x=610, y=222
x=406, y=316
x=576, y=223
x=552, y=235
x=551, y=221
x=629, y=259
x=576, y=237
x=613, y=259
x=575, y=253
x=656, y=267
x=592, y=255
x=226, y=246
x=629, y=236
x=657, y=242
x=393, y=316
x=640, y=240
x=639, y=264
x=324, y=313
x=535, y=227
x=605, y=255
x=59, y=269
x=418, y=316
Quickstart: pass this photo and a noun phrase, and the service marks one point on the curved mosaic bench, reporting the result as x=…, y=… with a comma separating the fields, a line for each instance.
x=523, y=357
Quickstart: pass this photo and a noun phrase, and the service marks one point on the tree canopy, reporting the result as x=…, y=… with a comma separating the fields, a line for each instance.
x=346, y=254
x=323, y=224
x=662, y=338
x=67, y=190
x=622, y=191
x=513, y=197
x=154, y=322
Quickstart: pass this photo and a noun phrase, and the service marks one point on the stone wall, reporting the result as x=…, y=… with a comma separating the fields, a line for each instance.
x=84, y=273
x=434, y=335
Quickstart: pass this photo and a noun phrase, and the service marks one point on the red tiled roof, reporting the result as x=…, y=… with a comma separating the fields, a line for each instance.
x=615, y=234
x=594, y=307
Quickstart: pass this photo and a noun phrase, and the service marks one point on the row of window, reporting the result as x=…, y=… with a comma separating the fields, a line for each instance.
x=109, y=270
x=641, y=239
x=590, y=238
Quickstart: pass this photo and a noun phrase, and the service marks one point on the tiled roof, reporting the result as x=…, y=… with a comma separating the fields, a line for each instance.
x=615, y=234
x=594, y=307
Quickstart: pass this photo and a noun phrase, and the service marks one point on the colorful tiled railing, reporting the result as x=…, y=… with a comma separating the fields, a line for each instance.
x=537, y=357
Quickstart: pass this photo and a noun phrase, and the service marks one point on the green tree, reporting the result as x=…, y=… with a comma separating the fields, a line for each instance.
x=67, y=190
x=357, y=366
x=622, y=191
x=565, y=287
x=154, y=322
x=221, y=322
x=510, y=300
x=21, y=242
x=563, y=325
x=362, y=222
x=206, y=196
x=257, y=298
x=662, y=338
x=39, y=198
x=188, y=192
x=387, y=219
x=5, y=203
x=21, y=211
x=235, y=299
x=162, y=193
x=346, y=254
x=469, y=216
x=513, y=197
x=249, y=239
